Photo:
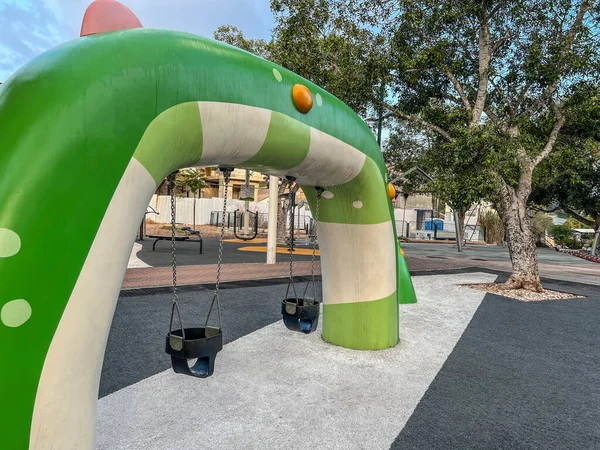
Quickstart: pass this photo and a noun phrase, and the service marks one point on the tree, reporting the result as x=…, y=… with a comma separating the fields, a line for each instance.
x=194, y=179
x=493, y=77
x=570, y=181
x=459, y=178
x=234, y=36
x=489, y=82
x=315, y=40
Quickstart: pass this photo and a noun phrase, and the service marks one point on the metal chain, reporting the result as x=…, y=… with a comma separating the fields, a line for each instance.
x=175, y=306
x=314, y=247
x=290, y=182
x=173, y=249
x=227, y=174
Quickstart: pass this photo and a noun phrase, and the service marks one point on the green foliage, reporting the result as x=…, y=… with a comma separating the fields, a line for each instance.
x=192, y=178
x=494, y=230
x=316, y=40
x=542, y=222
x=478, y=94
x=573, y=223
x=234, y=36
x=563, y=235
x=570, y=179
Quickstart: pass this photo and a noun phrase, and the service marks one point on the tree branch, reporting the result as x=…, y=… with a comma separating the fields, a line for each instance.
x=523, y=93
x=496, y=9
x=493, y=116
x=375, y=119
x=546, y=210
x=417, y=120
x=584, y=7
x=504, y=96
x=459, y=89
x=498, y=44
x=484, y=65
x=579, y=217
x=552, y=138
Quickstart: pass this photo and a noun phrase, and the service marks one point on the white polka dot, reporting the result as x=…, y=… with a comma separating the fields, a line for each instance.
x=327, y=194
x=10, y=243
x=277, y=75
x=319, y=99
x=357, y=204
x=15, y=313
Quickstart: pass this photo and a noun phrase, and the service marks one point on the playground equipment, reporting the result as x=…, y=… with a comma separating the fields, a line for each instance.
x=111, y=114
x=142, y=232
x=301, y=313
x=240, y=234
x=198, y=344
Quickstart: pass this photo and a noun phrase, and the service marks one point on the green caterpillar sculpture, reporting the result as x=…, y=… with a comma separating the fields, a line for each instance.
x=88, y=131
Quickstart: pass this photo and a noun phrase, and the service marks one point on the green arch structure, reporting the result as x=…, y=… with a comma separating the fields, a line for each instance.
x=88, y=131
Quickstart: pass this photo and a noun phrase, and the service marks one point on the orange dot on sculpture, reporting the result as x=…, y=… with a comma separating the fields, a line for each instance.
x=303, y=99
x=391, y=191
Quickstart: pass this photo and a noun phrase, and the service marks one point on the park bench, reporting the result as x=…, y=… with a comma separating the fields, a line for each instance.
x=179, y=238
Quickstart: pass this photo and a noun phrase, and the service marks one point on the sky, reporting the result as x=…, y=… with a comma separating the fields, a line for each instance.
x=30, y=27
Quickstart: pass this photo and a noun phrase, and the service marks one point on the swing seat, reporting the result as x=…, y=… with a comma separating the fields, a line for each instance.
x=200, y=344
x=301, y=314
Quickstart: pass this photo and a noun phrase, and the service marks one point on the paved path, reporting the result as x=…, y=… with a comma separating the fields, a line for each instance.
x=206, y=273
x=200, y=274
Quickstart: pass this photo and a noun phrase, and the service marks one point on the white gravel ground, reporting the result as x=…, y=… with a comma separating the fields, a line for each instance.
x=274, y=389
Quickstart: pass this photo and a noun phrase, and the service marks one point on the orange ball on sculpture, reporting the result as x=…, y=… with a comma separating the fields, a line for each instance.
x=302, y=97
x=391, y=191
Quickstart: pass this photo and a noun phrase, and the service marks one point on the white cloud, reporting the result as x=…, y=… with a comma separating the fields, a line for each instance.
x=30, y=27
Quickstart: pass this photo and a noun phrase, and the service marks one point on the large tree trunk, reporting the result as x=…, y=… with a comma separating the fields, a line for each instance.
x=282, y=212
x=596, y=242
x=512, y=208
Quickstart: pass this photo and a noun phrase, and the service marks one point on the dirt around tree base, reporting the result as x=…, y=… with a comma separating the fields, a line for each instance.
x=524, y=295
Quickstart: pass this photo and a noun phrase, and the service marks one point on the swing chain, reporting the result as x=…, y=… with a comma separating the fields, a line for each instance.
x=292, y=192
x=319, y=192
x=176, y=342
x=316, y=218
x=173, y=225
x=227, y=175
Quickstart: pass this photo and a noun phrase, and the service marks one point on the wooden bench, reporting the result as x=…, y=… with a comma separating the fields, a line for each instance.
x=179, y=238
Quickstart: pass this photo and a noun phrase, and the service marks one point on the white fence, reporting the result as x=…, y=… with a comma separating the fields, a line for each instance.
x=204, y=206
x=184, y=212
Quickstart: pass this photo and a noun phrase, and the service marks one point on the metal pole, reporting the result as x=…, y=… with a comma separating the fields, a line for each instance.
x=272, y=227
x=194, y=211
x=404, y=214
x=457, y=229
x=247, y=206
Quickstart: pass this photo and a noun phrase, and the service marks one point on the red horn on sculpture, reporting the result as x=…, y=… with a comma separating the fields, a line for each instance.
x=108, y=15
